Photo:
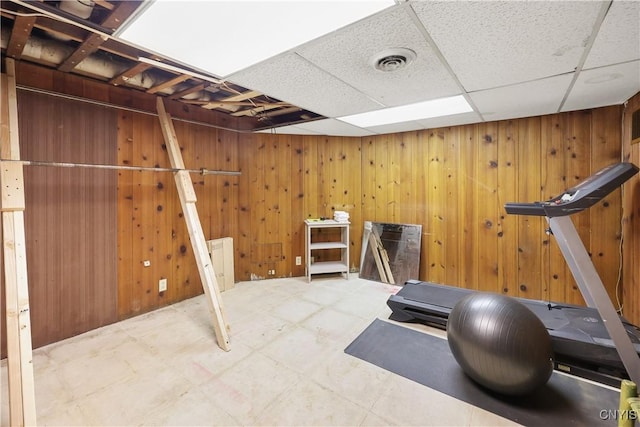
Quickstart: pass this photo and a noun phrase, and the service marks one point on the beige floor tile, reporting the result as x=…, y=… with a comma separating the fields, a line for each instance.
x=286, y=366
x=335, y=325
x=192, y=408
x=259, y=330
x=295, y=310
x=248, y=387
x=309, y=404
x=352, y=378
x=299, y=349
x=480, y=417
x=408, y=403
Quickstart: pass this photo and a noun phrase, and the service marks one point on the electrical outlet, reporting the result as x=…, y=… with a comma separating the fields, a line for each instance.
x=146, y=263
x=298, y=260
x=162, y=285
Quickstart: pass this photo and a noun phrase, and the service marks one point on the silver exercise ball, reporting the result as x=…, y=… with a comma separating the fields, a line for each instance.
x=500, y=343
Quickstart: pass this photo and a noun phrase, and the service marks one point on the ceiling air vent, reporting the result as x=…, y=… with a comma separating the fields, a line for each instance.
x=393, y=59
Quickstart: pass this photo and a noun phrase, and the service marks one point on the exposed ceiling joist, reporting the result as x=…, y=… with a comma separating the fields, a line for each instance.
x=19, y=35
x=42, y=32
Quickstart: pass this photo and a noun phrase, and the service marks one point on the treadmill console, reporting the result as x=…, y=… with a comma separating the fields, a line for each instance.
x=582, y=196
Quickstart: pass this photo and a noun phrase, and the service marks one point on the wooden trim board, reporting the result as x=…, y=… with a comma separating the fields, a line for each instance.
x=22, y=404
x=188, y=200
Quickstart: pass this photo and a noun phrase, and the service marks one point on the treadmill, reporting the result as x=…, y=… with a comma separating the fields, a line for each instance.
x=592, y=342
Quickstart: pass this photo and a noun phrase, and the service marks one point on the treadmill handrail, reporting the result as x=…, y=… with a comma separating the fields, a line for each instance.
x=580, y=197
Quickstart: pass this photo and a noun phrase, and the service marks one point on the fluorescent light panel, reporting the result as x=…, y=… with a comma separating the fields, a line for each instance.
x=406, y=113
x=222, y=37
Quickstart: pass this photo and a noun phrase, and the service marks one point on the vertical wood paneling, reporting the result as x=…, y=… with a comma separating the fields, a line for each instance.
x=467, y=208
x=70, y=216
x=530, y=228
x=242, y=241
x=454, y=181
x=507, y=232
x=487, y=196
x=368, y=174
x=605, y=244
x=631, y=221
x=126, y=216
x=577, y=154
x=151, y=222
x=436, y=205
x=352, y=196
x=297, y=205
x=554, y=178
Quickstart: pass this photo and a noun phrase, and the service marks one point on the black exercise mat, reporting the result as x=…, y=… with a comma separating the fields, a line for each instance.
x=427, y=360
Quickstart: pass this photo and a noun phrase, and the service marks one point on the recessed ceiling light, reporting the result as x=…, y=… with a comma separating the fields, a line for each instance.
x=406, y=113
x=222, y=37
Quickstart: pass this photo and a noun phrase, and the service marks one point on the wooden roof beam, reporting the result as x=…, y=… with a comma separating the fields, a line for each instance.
x=131, y=72
x=93, y=42
x=190, y=90
x=171, y=82
x=22, y=27
x=86, y=48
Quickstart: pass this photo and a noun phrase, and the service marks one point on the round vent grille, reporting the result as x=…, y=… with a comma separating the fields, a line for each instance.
x=393, y=59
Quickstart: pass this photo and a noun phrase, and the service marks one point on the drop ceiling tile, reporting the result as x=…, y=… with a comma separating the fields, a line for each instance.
x=604, y=86
x=522, y=100
x=293, y=79
x=348, y=54
x=455, y=120
x=290, y=130
x=335, y=128
x=396, y=127
x=491, y=44
x=330, y=127
x=619, y=37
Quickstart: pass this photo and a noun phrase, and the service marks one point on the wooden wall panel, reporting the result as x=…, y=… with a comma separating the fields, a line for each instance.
x=507, y=230
x=70, y=216
x=554, y=178
x=453, y=181
x=605, y=233
x=463, y=177
x=150, y=220
x=631, y=221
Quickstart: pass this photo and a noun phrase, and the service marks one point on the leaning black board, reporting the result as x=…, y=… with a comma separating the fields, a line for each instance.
x=427, y=360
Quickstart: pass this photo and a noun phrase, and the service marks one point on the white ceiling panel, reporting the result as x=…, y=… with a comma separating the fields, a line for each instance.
x=292, y=78
x=522, y=100
x=290, y=130
x=455, y=120
x=331, y=127
x=492, y=44
x=604, y=86
x=619, y=37
x=396, y=127
x=349, y=52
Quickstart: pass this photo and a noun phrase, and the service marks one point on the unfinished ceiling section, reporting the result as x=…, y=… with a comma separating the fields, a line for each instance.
x=76, y=37
x=507, y=59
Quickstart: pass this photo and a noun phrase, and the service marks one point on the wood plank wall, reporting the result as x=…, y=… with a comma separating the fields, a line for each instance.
x=151, y=226
x=69, y=216
x=631, y=220
x=453, y=181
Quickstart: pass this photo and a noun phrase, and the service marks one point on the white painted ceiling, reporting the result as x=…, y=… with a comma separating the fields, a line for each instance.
x=510, y=59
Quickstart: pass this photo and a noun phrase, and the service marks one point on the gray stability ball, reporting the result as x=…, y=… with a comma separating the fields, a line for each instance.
x=500, y=343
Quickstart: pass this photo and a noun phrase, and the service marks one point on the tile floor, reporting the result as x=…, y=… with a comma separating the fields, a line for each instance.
x=286, y=366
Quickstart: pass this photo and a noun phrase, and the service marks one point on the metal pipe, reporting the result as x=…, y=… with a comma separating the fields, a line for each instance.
x=202, y=171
